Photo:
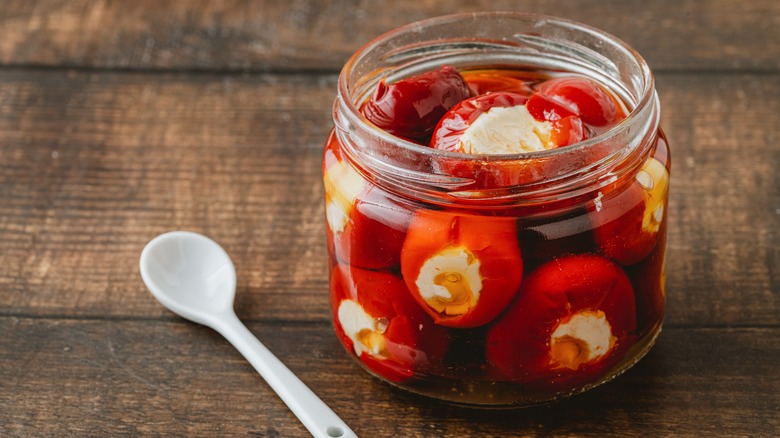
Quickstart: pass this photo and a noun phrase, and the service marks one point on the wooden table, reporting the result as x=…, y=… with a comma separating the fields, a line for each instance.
x=122, y=120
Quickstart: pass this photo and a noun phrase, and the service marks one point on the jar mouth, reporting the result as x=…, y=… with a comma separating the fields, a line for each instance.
x=496, y=39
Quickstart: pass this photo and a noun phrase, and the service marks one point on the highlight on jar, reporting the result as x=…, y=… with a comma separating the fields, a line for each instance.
x=496, y=225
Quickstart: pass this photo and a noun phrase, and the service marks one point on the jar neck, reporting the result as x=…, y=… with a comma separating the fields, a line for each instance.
x=497, y=40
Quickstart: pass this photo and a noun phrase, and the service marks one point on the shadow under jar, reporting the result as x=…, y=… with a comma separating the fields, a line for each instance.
x=498, y=279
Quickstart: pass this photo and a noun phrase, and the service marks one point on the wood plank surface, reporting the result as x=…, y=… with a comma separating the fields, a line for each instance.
x=153, y=378
x=320, y=35
x=121, y=120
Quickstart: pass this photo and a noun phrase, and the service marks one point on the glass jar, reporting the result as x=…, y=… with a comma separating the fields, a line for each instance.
x=497, y=280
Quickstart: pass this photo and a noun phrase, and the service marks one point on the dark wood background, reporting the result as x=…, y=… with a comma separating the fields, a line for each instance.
x=120, y=120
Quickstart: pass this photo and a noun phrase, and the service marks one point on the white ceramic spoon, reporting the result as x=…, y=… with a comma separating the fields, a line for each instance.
x=193, y=277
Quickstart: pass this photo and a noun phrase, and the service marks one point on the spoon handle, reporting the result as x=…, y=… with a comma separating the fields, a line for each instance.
x=315, y=415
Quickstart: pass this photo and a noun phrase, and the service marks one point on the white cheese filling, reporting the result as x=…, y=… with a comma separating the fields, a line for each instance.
x=654, y=178
x=590, y=330
x=447, y=268
x=506, y=130
x=342, y=186
x=356, y=322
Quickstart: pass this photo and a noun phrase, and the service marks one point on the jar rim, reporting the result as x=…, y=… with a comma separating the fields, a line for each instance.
x=643, y=112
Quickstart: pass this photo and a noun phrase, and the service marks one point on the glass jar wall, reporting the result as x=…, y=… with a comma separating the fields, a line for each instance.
x=497, y=278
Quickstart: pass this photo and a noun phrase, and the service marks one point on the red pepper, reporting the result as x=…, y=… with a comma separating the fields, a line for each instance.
x=462, y=270
x=378, y=321
x=567, y=127
x=571, y=321
x=504, y=123
x=411, y=107
x=593, y=103
x=375, y=233
x=459, y=118
x=343, y=185
x=627, y=221
x=366, y=228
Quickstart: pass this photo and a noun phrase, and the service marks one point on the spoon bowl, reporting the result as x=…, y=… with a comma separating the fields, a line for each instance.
x=193, y=277
x=189, y=274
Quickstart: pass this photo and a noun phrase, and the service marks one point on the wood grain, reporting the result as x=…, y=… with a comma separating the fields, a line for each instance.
x=93, y=165
x=319, y=35
x=96, y=377
x=128, y=158
x=723, y=240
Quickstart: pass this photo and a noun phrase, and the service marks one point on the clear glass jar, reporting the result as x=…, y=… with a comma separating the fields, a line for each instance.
x=561, y=252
